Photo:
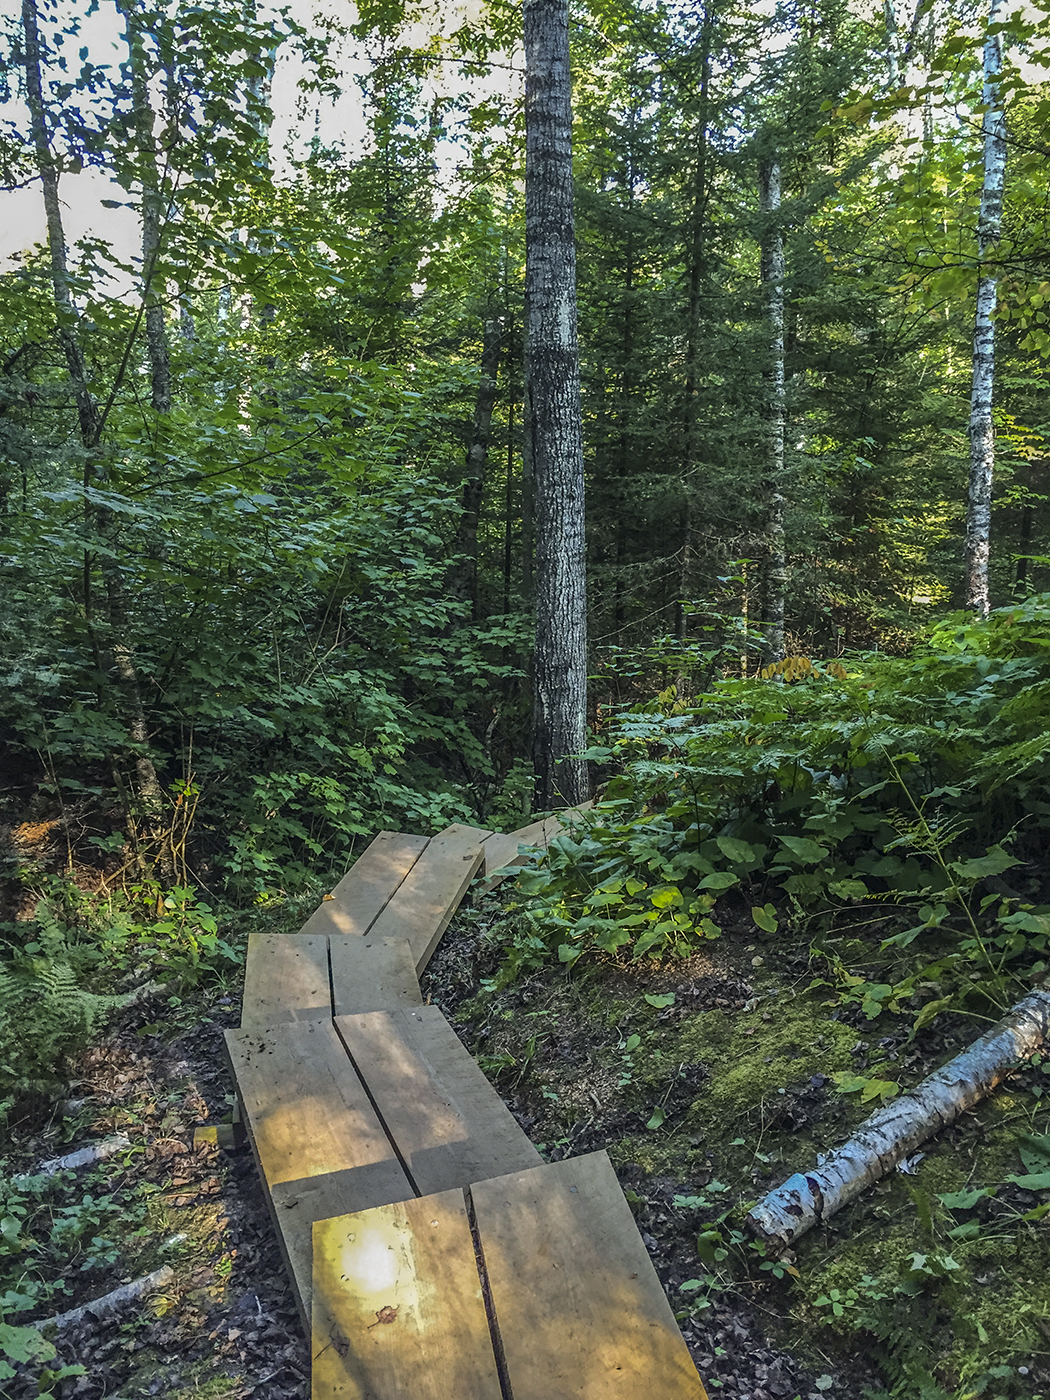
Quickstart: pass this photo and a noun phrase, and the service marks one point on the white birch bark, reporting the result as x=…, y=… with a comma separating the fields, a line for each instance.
x=773, y=269
x=989, y=228
x=895, y=1131
x=552, y=380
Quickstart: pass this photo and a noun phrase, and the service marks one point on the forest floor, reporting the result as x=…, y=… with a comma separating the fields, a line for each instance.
x=703, y=1101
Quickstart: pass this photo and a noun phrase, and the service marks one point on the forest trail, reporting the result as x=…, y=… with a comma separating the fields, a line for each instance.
x=431, y=1250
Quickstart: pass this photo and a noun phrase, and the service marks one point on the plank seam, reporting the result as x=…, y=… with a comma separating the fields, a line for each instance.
x=498, y=1350
x=393, y=892
x=379, y=1114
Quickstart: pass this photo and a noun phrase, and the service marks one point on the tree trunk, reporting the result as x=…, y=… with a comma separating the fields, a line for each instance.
x=153, y=213
x=464, y=583
x=989, y=227
x=774, y=578
x=87, y=410
x=552, y=378
x=90, y=419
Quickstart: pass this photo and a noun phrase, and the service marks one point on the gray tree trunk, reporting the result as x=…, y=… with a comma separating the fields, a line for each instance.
x=989, y=227
x=554, y=429
x=91, y=425
x=153, y=212
x=774, y=574
x=87, y=410
x=465, y=578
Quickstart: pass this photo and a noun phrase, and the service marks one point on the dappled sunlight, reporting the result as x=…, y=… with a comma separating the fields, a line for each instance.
x=398, y=1308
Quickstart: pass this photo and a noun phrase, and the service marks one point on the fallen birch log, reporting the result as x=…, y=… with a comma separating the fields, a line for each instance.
x=111, y=1303
x=85, y=1156
x=895, y=1131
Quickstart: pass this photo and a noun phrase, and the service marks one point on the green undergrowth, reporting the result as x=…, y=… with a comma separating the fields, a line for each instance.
x=940, y=1276
x=902, y=800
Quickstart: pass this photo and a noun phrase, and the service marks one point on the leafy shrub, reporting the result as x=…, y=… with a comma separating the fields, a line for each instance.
x=58, y=970
x=899, y=782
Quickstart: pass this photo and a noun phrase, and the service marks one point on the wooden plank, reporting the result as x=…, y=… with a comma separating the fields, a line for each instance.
x=449, y=1125
x=430, y=893
x=296, y=1205
x=365, y=890
x=398, y=1308
x=307, y=1111
x=501, y=848
x=580, y=1310
x=285, y=979
x=372, y=974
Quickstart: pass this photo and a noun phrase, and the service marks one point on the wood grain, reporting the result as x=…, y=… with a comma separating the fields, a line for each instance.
x=306, y=1109
x=398, y=1308
x=285, y=979
x=449, y=1125
x=372, y=974
x=366, y=889
x=431, y=891
x=581, y=1312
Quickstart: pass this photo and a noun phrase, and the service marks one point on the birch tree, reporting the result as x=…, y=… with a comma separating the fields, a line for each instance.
x=552, y=387
x=989, y=228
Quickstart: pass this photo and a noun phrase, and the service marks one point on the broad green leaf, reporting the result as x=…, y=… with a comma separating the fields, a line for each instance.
x=807, y=851
x=660, y=1000
x=993, y=862
x=765, y=917
x=735, y=850
x=719, y=880
x=658, y=1118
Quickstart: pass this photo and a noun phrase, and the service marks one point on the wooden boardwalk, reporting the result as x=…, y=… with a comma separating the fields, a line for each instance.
x=433, y=1254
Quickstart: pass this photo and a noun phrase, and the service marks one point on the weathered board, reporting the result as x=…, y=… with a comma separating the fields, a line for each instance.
x=366, y=889
x=431, y=891
x=449, y=1125
x=398, y=1312
x=307, y=1111
x=285, y=979
x=581, y=1312
x=501, y=848
x=372, y=974
x=320, y=1147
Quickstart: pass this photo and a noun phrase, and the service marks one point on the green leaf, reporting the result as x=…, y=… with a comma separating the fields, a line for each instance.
x=765, y=917
x=965, y=1200
x=993, y=862
x=658, y=1118
x=735, y=850
x=1034, y=1181
x=24, y=1344
x=719, y=880
x=632, y=1043
x=660, y=1001
x=805, y=850
x=1035, y=1152
x=665, y=897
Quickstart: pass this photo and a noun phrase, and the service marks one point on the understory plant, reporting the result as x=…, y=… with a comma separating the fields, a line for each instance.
x=903, y=798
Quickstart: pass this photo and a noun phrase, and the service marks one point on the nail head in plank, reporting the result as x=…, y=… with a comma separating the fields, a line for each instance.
x=372, y=974
x=307, y=1111
x=449, y=1125
x=430, y=893
x=285, y=979
x=580, y=1309
x=398, y=1308
x=365, y=890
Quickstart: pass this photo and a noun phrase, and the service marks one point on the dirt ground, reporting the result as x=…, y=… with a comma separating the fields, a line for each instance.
x=558, y=1049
